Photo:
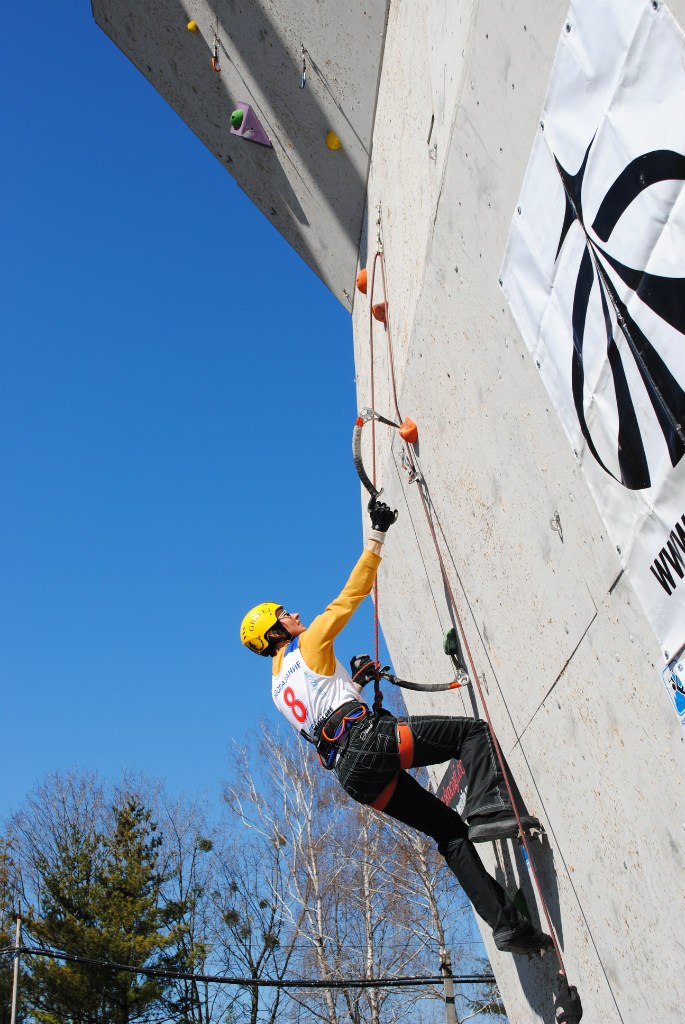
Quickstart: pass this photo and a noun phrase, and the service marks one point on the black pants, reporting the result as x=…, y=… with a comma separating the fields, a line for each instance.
x=370, y=760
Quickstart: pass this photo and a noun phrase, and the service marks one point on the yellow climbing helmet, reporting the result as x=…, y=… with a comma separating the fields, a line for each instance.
x=256, y=624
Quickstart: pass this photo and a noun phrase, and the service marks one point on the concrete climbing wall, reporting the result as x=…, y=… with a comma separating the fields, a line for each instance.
x=570, y=666
x=312, y=195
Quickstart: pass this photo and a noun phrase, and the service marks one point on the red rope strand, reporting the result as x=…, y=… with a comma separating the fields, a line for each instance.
x=377, y=695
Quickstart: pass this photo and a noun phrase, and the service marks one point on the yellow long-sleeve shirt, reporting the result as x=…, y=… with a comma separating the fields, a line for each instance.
x=308, y=680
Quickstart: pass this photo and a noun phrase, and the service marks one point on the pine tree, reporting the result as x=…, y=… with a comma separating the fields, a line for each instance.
x=66, y=863
x=94, y=880
x=130, y=914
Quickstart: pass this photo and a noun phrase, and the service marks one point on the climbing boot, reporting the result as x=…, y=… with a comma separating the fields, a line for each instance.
x=523, y=938
x=486, y=828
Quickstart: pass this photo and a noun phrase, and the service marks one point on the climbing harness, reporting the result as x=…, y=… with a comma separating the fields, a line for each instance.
x=340, y=722
x=410, y=461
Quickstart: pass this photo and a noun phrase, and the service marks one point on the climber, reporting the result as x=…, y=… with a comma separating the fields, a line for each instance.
x=370, y=751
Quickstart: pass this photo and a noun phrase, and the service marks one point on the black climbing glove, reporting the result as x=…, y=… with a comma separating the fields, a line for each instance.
x=382, y=516
x=363, y=670
x=567, y=1006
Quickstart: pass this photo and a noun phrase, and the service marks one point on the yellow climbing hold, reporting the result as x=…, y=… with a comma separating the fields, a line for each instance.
x=192, y=26
x=332, y=141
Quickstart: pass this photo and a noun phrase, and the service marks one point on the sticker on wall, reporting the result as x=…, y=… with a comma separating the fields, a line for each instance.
x=594, y=276
x=674, y=681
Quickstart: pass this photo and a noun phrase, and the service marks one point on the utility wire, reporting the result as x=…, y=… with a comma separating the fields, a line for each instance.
x=217, y=979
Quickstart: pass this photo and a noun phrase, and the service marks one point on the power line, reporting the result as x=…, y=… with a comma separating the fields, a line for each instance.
x=216, y=979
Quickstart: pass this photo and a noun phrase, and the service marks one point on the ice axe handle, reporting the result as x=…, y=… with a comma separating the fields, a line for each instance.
x=357, y=456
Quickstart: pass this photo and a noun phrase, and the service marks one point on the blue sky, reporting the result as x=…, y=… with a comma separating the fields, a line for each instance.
x=168, y=458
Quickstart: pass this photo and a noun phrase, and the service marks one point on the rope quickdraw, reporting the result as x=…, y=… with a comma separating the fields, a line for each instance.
x=215, y=55
x=410, y=462
x=303, y=80
x=406, y=684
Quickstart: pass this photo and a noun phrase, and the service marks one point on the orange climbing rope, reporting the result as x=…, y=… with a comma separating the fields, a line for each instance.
x=415, y=474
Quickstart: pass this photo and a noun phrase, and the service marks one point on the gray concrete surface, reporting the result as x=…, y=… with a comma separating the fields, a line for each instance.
x=568, y=661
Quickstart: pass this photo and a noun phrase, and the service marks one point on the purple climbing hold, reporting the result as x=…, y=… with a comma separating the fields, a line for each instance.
x=248, y=126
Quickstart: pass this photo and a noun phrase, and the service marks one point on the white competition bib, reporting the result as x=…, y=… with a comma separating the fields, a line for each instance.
x=306, y=698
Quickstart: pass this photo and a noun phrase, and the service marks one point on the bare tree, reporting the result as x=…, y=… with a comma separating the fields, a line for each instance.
x=338, y=894
x=252, y=935
x=441, y=916
x=381, y=919
x=190, y=866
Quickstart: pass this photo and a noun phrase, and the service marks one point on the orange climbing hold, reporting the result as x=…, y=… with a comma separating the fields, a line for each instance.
x=409, y=432
x=380, y=312
x=361, y=281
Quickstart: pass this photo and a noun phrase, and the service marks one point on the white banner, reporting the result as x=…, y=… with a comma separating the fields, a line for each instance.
x=594, y=274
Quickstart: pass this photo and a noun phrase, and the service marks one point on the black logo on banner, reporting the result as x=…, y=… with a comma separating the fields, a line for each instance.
x=664, y=295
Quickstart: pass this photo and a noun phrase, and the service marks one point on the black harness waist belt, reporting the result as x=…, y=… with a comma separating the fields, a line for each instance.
x=330, y=734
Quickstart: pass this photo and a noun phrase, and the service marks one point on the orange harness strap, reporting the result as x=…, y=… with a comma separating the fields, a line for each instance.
x=405, y=747
x=383, y=798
